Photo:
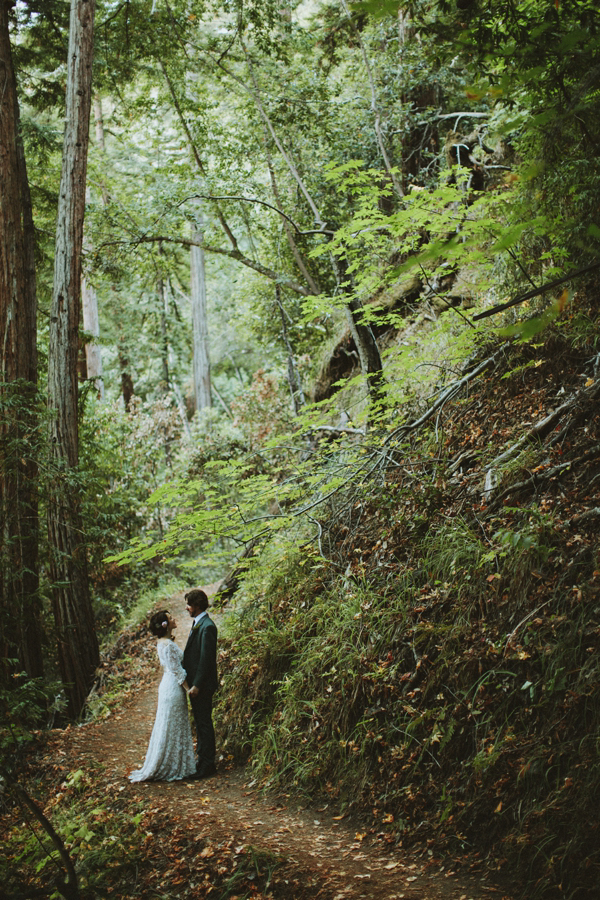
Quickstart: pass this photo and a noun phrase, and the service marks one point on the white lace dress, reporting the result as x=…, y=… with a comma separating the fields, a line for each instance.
x=170, y=754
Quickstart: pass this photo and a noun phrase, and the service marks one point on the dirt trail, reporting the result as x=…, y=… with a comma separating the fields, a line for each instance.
x=321, y=850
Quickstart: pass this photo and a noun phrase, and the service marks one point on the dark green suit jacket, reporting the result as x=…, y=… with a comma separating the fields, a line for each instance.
x=200, y=656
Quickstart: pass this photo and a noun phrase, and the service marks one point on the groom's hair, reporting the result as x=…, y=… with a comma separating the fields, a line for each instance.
x=197, y=598
x=159, y=623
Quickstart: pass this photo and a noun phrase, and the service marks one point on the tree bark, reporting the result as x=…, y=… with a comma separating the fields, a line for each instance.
x=91, y=325
x=77, y=642
x=18, y=380
x=294, y=382
x=201, y=359
x=364, y=339
x=164, y=337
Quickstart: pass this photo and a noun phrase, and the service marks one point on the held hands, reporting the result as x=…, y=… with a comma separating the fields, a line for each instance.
x=193, y=691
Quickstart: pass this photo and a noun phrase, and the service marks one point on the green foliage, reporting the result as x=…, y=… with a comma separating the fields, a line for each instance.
x=122, y=454
x=450, y=677
x=528, y=329
x=27, y=704
x=104, y=839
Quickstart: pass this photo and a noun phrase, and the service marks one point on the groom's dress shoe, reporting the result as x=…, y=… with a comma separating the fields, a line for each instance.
x=201, y=773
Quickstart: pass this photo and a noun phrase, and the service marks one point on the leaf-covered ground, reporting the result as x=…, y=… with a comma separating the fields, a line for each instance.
x=216, y=839
x=440, y=671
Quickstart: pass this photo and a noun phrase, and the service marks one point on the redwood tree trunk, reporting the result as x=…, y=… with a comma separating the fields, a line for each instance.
x=18, y=377
x=73, y=614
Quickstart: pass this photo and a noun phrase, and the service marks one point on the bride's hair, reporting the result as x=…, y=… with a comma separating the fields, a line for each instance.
x=159, y=623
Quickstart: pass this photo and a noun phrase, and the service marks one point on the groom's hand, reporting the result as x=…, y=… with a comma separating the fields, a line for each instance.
x=194, y=691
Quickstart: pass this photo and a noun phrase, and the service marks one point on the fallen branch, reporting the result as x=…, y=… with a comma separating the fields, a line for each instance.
x=593, y=513
x=536, y=291
x=510, y=637
x=446, y=395
x=539, y=429
x=69, y=888
x=544, y=425
x=539, y=477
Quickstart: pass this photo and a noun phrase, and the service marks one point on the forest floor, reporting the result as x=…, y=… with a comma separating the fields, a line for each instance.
x=221, y=838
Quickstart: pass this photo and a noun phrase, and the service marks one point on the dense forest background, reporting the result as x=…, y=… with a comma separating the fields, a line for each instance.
x=301, y=296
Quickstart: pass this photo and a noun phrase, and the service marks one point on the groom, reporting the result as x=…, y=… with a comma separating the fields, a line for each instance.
x=200, y=663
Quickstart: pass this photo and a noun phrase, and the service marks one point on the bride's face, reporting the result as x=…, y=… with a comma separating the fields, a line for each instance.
x=172, y=624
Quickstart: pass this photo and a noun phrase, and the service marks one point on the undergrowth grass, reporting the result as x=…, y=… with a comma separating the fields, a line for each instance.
x=446, y=699
x=101, y=833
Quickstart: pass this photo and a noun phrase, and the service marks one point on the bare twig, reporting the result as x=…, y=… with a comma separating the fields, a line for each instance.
x=338, y=429
x=443, y=299
x=446, y=395
x=511, y=636
x=69, y=889
x=232, y=253
x=540, y=477
x=319, y=533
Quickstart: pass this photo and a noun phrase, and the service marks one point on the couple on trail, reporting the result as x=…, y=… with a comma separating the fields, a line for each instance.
x=170, y=755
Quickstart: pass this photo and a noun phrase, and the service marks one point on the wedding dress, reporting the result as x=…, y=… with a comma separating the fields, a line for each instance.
x=170, y=754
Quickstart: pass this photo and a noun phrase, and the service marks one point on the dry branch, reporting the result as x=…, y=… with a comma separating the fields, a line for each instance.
x=70, y=888
x=447, y=395
x=537, y=478
x=592, y=513
x=536, y=291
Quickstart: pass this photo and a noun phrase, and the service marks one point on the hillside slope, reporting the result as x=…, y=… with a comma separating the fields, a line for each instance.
x=437, y=667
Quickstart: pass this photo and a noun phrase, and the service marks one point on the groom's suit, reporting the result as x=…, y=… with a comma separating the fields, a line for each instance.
x=200, y=664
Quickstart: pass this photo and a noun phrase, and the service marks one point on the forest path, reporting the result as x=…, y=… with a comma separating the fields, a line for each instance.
x=324, y=856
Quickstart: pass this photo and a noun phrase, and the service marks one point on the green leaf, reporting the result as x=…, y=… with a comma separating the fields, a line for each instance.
x=594, y=231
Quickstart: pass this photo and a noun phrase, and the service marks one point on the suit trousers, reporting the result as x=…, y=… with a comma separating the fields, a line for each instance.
x=202, y=711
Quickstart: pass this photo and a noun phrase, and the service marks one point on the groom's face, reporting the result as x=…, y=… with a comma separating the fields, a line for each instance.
x=192, y=610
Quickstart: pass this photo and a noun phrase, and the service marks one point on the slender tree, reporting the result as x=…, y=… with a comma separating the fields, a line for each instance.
x=201, y=358
x=91, y=325
x=296, y=392
x=77, y=642
x=18, y=377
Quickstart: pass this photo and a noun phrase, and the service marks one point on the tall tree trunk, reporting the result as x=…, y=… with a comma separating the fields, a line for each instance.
x=18, y=380
x=77, y=642
x=127, y=389
x=201, y=362
x=164, y=337
x=296, y=391
x=91, y=325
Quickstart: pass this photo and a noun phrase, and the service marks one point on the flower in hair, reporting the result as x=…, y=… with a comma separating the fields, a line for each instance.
x=164, y=624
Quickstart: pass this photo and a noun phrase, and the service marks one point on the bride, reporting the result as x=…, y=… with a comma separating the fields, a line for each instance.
x=170, y=754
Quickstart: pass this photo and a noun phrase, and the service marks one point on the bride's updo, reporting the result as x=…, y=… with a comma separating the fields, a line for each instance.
x=159, y=623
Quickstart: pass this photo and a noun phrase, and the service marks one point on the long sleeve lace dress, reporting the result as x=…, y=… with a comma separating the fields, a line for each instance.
x=170, y=754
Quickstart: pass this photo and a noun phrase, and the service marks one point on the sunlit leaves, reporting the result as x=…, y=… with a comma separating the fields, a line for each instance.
x=528, y=329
